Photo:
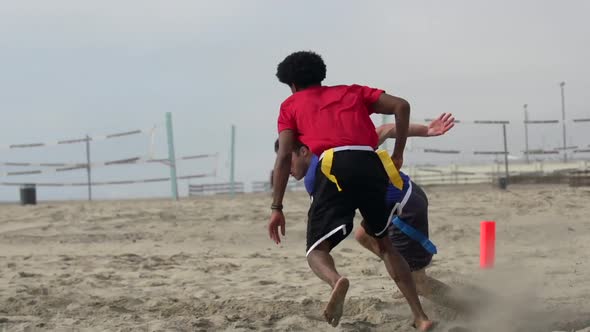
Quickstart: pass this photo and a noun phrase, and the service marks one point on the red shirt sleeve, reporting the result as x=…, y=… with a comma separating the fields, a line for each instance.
x=369, y=96
x=286, y=119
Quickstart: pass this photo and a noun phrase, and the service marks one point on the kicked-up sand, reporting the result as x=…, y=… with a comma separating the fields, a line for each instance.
x=207, y=264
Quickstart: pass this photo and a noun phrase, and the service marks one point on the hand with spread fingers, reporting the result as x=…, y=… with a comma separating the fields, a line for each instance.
x=441, y=125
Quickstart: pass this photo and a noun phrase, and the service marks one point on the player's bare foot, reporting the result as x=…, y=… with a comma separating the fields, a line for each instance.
x=334, y=308
x=423, y=325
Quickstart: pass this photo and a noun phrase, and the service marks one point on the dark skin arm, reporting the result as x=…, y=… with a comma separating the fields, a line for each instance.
x=280, y=178
x=271, y=179
x=437, y=127
x=388, y=104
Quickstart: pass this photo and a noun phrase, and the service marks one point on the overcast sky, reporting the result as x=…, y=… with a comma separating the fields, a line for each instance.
x=71, y=68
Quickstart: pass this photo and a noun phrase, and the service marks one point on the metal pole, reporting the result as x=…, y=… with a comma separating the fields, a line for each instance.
x=562, y=85
x=171, y=156
x=505, y=153
x=526, y=133
x=232, y=160
x=88, y=172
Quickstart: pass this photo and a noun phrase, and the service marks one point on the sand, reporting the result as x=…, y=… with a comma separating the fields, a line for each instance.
x=207, y=264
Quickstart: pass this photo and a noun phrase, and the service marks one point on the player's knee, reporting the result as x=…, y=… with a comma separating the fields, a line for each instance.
x=363, y=238
x=309, y=258
x=360, y=235
x=312, y=257
x=319, y=252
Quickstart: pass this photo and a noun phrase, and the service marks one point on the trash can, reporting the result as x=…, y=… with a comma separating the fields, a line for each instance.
x=503, y=183
x=28, y=194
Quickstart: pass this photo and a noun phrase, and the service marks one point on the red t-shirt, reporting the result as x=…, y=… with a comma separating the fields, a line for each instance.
x=325, y=117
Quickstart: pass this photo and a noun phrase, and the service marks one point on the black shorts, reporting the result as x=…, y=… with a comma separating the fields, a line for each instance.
x=415, y=214
x=364, y=182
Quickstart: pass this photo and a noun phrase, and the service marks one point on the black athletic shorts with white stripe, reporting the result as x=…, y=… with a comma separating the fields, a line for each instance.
x=364, y=182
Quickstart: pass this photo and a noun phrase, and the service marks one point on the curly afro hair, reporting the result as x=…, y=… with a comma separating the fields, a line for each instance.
x=303, y=68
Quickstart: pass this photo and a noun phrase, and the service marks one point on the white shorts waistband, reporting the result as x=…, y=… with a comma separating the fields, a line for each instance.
x=350, y=147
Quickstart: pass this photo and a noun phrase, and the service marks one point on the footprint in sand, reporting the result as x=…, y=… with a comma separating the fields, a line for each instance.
x=257, y=255
x=57, y=216
x=458, y=329
x=369, y=271
x=203, y=323
x=66, y=258
x=359, y=326
x=266, y=282
x=28, y=275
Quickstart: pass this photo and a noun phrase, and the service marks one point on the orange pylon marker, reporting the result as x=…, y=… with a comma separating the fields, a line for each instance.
x=487, y=249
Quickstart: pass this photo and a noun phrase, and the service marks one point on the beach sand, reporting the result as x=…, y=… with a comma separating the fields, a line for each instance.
x=207, y=264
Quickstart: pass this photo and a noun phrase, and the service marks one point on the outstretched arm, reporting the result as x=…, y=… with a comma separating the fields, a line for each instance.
x=437, y=127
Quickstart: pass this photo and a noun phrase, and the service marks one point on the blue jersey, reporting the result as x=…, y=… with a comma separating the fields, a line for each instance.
x=393, y=195
x=310, y=175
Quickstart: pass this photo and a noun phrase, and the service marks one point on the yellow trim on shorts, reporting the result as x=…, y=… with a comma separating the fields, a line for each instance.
x=327, y=167
x=392, y=172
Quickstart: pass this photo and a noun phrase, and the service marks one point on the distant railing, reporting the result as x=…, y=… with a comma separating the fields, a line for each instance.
x=215, y=189
x=264, y=186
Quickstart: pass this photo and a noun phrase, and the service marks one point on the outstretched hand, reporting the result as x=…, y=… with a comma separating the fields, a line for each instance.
x=441, y=125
